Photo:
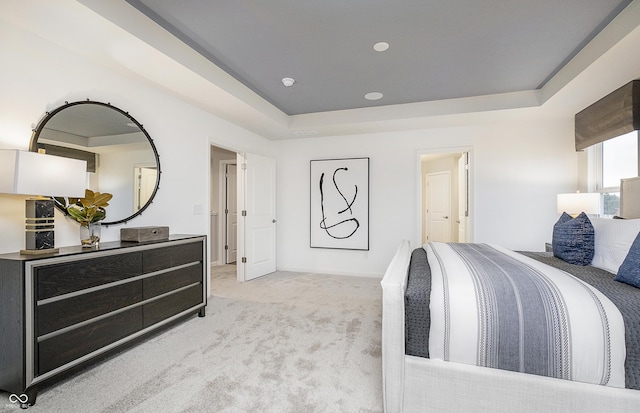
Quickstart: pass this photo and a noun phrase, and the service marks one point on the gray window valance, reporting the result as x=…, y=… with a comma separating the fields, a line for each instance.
x=615, y=114
x=55, y=150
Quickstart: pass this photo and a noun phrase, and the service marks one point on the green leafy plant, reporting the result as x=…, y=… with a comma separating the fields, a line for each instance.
x=89, y=209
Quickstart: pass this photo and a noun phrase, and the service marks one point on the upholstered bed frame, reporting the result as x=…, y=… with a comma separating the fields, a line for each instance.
x=415, y=384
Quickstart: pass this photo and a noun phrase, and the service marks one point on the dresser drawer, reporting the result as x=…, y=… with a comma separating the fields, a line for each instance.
x=172, y=280
x=172, y=304
x=167, y=257
x=57, y=279
x=64, y=348
x=64, y=313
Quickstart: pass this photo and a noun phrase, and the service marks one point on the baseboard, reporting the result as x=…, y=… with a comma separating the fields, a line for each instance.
x=331, y=272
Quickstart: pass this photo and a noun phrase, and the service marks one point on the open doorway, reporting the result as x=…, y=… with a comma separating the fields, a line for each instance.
x=223, y=203
x=445, y=189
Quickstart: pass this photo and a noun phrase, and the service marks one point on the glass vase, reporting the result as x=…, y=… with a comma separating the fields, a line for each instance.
x=90, y=235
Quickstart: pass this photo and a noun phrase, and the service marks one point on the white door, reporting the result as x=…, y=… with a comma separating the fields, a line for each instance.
x=257, y=195
x=231, y=213
x=463, y=196
x=438, y=192
x=145, y=178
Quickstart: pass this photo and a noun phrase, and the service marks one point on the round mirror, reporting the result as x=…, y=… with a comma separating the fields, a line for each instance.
x=121, y=157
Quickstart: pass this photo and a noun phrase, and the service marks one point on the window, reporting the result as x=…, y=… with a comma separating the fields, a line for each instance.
x=615, y=159
x=619, y=159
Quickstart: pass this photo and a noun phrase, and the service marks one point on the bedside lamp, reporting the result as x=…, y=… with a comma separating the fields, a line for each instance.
x=31, y=173
x=575, y=203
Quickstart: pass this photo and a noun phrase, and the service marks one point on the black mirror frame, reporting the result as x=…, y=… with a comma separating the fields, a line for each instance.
x=33, y=147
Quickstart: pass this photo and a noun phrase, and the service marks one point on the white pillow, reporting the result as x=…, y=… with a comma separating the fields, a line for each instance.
x=612, y=241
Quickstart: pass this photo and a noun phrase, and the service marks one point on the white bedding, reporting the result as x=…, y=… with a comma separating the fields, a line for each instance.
x=495, y=308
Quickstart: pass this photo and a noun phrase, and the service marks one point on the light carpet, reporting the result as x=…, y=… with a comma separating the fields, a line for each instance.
x=286, y=342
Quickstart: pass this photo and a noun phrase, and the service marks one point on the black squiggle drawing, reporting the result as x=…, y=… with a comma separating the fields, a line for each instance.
x=323, y=223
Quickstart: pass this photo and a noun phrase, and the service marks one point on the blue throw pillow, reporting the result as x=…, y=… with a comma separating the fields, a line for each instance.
x=629, y=271
x=573, y=239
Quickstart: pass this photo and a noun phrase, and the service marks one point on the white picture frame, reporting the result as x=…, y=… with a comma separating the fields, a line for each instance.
x=339, y=213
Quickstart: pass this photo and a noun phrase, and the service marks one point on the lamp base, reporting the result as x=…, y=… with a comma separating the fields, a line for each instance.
x=38, y=252
x=39, y=227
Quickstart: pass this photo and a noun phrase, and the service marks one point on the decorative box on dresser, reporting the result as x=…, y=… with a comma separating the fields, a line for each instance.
x=60, y=311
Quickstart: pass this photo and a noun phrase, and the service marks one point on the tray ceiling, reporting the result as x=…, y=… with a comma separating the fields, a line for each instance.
x=437, y=49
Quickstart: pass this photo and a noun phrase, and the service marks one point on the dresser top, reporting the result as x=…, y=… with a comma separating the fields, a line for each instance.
x=103, y=246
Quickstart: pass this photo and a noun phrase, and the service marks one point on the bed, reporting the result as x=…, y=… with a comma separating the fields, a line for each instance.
x=415, y=383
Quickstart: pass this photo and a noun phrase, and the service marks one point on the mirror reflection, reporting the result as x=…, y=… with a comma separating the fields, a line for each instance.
x=121, y=157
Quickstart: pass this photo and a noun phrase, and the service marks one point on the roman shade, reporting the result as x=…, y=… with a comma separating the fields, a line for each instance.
x=615, y=114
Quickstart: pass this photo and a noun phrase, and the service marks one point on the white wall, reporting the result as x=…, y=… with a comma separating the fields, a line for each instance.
x=518, y=168
x=37, y=75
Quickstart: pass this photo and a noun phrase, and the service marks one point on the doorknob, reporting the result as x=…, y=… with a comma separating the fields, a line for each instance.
x=445, y=217
x=274, y=221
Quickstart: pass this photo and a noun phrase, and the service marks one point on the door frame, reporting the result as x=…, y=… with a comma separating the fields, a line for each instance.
x=420, y=192
x=222, y=219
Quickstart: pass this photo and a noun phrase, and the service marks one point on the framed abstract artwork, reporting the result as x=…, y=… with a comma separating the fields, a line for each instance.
x=340, y=203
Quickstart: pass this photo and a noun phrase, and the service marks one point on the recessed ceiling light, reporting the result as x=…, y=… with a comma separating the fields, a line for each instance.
x=373, y=96
x=381, y=46
x=288, y=81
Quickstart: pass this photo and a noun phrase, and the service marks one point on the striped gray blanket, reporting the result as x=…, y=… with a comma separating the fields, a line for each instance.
x=495, y=308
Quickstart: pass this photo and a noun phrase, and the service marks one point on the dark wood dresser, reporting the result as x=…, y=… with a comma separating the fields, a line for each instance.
x=59, y=312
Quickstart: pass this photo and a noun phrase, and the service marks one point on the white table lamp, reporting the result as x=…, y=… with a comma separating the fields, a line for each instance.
x=575, y=203
x=31, y=173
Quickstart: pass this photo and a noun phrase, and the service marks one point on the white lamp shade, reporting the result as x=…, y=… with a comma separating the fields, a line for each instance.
x=578, y=202
x=31, y=173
